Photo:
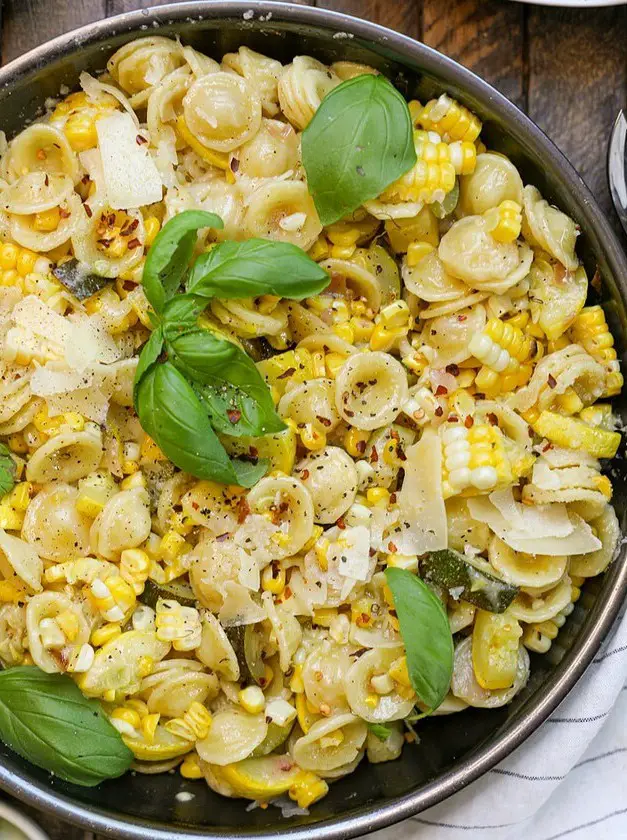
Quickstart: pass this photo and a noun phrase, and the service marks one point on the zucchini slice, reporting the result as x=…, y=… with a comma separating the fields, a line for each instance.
x=78, y=280
x=452, y=570
x=176, y=590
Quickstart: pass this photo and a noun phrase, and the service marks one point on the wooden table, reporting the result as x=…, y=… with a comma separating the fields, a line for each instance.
x=567, y=69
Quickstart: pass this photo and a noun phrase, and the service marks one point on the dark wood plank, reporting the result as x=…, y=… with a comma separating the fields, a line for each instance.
x=485, y=35
x=28, y=23
x=402, y=15
x=577, y=82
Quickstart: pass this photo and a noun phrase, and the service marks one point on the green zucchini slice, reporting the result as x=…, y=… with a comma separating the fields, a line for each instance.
x=452, y=570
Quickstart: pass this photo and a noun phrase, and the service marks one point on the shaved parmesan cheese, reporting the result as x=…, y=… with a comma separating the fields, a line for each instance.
x=94, y=90
x=248, y=574
x=549, y=529
x=420, y=501
x=36, y=317
x=92, y=343
x=531, y=520
x=238, y=607
x=351, y=551
x=544, y=477
x=556, y=456
x=90, y=402
x=130, y=175
x=55, y=378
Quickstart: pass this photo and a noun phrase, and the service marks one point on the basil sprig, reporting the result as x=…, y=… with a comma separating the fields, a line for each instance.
x=45, y=719
x=191, y=382
x=359, y=142
x=7, y=470
x=426, y=635
x=170, y=253
x=256, y=267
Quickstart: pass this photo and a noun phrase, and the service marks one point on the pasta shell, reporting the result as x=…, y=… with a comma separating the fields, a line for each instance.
x=40, y=148
x=284, y=212
x=50, y=605
x=312, y=402
x=370, y=390
x=123, y=523
x=13, y=638
x=215, y=650
x=302, y=86
x=36, y=192
x=273, y=151
x=465, y=686
x=389, y=749
x=534, y=570
x=323, y=675
x=331, y=478
x=607, y=529
x=430, y=281
x=315, y=750
x=536, y=607
x=222, y=110
x=118, y=664
x=233, y=735
x=173, y=696
x=295, y=517
x=19, y=558
x=68, y=457
x=390, y=706
x=357, y=277
x=495, y=179
x=262, y=72
x=549, y=228
x=53, y=526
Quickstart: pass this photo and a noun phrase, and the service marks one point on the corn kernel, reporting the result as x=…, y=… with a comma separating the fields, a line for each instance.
x=399, y=673
x=333, y=362
x=80, y=130
x=126, y=715
x=372, y=701
x=104, y=634
x=308, y=789
x=149, y=726
x=47, y=220
x=8, y=256
x=273, y=579
x=190, y=767
x=312, y=439
x=376, y=495
x=417, y=251
x=152, y=226
x=172, y=546
x=252, y=699
x=26, y=262
x=355, y=441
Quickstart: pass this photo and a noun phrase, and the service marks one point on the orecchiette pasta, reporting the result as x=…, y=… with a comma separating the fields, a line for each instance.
x=434, y=413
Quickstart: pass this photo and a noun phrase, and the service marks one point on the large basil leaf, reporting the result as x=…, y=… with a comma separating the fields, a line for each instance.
x=359, y=142
x=181, y=313
x=256, y=267
x=170, y=253
x=45, y=719
x=227, y=382
x=148, y=356
x=170, y=412
x=426, y=635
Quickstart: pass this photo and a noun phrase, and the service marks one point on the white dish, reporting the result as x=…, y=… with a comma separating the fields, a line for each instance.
x=24, y=827
x=575, y=4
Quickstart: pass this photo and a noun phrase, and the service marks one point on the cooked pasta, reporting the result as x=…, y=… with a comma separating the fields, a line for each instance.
x=436, y=412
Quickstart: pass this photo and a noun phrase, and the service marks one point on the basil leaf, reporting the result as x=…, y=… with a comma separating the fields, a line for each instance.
x=426, y=634
x=7, y=469
x=45, y=719
x=170, y=253
x=148, y=356
x=256, y=267
x=228, y=384
x=382, y=731
x=359, y=141
x=181, y=313
x=170, y=412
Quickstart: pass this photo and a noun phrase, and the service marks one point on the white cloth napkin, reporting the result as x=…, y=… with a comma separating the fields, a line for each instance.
x=569, y=780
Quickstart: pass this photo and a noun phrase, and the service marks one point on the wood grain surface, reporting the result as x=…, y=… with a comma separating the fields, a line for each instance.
x=567, y=69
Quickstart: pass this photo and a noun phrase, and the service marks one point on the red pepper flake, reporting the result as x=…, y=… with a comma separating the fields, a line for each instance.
x=400, y=454
x=462, y=318
x=469, y=422
x=223, y=537
x=41, y=155
x=452, y=369
x=287, y=592
x=234, y=415
x=547, y=446
x=104, y=242
x=341, y=524
x=394, y=435
x=243, y=509
x=439, y=411
x=552, y=381
x=140, y=140
x=88, y=210
x=234, y=164
x=559, y=273
x=128, y=229
x=63, y=213
x=134, y=243
x=324, y=420
x=304, y=475
x=452, y=418
x=287, y=373
x=47, y=180
x=360, y=446
x=253, y=451
x=392, y=498
x=392, y=548
x=440, y=391
x=374, y=456
x=493, y=420
x=348, y=412
x=195, y=506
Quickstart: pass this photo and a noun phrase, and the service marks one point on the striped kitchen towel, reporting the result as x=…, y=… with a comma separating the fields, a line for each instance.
x=569, y=780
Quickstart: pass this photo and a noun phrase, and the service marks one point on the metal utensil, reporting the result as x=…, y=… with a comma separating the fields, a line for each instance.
x=617, y=167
